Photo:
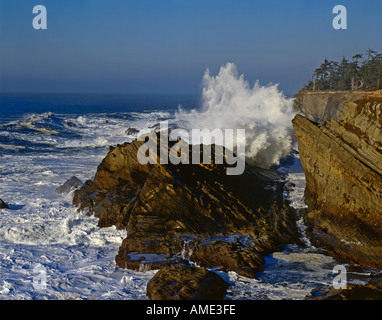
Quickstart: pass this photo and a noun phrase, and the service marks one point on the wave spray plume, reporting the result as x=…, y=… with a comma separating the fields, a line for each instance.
x=229, y=102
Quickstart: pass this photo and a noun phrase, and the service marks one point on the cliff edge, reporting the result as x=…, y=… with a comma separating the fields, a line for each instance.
x=342, y=161
x=318, y=106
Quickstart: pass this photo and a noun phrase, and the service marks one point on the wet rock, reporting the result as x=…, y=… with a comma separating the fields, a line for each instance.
x=69, y=185
x=3, y=205
x=131, y=131
x=162, y=207
x=182, y=281
x=226, y=256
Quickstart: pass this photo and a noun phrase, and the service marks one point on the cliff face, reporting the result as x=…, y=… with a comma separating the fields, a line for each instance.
x=342, y=161
x=321, y=105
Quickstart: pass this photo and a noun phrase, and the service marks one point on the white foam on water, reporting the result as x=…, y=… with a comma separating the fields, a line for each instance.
x=44, y=229
x=288, y=275
x=71, y=272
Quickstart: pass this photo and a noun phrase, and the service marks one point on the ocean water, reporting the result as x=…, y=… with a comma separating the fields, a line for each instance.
x=49, y=251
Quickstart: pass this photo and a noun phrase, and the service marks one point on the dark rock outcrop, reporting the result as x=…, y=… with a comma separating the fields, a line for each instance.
x=69, y=185
x=182, y=281
x=342, y=161
x=244, y=259
x=131, y=131
x=3, y=205
x=193, y=210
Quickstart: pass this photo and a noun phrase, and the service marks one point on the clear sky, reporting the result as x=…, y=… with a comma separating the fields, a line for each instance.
x=164, y=46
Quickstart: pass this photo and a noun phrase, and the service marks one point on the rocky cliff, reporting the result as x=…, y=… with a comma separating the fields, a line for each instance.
x=188, y=211
x=342, y=161
x=321, y=105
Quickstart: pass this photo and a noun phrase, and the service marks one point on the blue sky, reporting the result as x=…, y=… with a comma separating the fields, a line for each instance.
x=164, y=46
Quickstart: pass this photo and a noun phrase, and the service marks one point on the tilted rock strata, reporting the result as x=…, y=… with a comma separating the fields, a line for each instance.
x=342, y=161
x=318, y=106
x=163, y=206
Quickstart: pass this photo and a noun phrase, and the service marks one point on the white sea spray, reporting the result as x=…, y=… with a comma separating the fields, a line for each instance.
x=229, y=102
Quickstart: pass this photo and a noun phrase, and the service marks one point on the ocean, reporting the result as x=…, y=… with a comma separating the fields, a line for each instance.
x=50, y=251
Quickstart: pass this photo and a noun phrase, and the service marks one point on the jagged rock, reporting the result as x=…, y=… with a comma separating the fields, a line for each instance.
x=184, y=282
x=69, y=185
x=131, y=131
x=3, y=205
x=225, y=255
x=342, y=161
x=163, y=206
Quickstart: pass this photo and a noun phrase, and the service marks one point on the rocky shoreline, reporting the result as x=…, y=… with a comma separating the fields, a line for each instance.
x=196, y=213
x=184, y=219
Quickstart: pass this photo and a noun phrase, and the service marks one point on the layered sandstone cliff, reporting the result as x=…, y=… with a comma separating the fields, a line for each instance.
x=342, y=161
x=321, y=105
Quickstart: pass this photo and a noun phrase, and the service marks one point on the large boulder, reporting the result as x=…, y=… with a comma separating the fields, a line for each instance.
x=181, y=281
x=169, y=209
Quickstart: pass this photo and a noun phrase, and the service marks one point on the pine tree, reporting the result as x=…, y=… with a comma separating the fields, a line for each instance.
x=349, y=75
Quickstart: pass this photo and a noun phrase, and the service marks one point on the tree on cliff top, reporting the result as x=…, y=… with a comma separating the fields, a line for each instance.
x=349, y=75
